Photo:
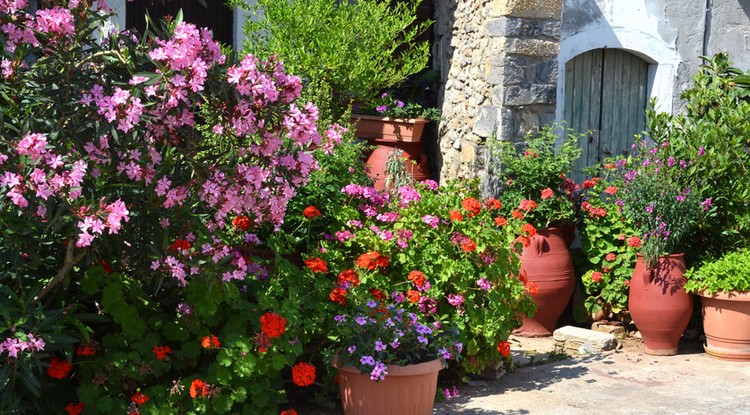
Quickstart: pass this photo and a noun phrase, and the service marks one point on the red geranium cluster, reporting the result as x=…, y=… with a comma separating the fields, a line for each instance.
x=139, y=398
x=504, y=348
x=59, y=369
x=303, y=374
x=242, y=222
x=85, y=349
x=210, y=342
x=198, y=388
x=472, y=206
x=161, y=352
x=371, y=261
x=316, y=265
x=311, y=212
x=272, y=325
x=75, y=408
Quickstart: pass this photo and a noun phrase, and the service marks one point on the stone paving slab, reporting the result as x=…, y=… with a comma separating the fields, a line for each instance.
x=620, y=382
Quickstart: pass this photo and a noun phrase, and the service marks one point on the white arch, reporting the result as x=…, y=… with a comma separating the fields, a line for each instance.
x=661, y=57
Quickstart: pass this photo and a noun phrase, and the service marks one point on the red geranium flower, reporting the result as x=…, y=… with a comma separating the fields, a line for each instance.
x=612, y=190
x=106, y=267
x=74, y=408
x=272, y=325
x=472, y=206
x=85, y=349
x=139, y=398
x=377, y=294
x=242, y=222
x=547, y=193
x=493, y=203
x=596, y=276
x=501, y=221
x=417, y=277
x=303, y=374
x=311, y=212
x=289, y=412
x=517, y=214
x=198, y=387
x=455, y=216
x=468, y=245
x=338, y=295
x=528, y=205
x=180, y=245
x=349, y=278
x=413, y=295
x=588, y=184
x=610, y=257
x=59, y=369
x=504, y=348
x=210, y=342
x=316, y=265
x=634, y=242
x=532, y=287
x=529, y=229
x=161, y=352
x=525, y=240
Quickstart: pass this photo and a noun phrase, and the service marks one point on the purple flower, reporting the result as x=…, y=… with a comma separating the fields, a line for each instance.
x=430, y=220
x=395, y=344
x=367, y=360
x=397, y=297
x=455, y=299
x=388, y=217
x=372, y=304
x=352, y=349
x=399, y=104
x=381, y=108
x=650, y=207
x=427, y=305
x=706, y=204
x=408, y=194
x=343, y=236
x=379, y=346
x=431, y=184
x=378, y=372
x=340, y=318
x=360, y=320
x=484, y=284
x=701, y=151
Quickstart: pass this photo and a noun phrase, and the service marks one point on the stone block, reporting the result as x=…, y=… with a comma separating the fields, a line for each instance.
x=468, y=153
x=531, y=47
x=487, y=122
x=523, y=28
x=616, y=330
x=538, y=9
x=578, y=340
x=518, y=95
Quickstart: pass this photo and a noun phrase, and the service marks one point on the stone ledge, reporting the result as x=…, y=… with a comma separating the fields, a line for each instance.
x=540, y=9
x=578, y=340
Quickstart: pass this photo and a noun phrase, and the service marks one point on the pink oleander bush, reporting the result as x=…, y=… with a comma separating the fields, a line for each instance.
x=136, y=177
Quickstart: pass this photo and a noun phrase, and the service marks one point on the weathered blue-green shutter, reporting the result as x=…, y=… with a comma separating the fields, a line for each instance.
x=605, y=95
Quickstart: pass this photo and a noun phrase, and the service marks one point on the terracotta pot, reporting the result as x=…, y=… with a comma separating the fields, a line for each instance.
x=376, y=161
x=658, y=303
x=393, y=129
x=726, y=322
x=548, y=263
x=406, y=390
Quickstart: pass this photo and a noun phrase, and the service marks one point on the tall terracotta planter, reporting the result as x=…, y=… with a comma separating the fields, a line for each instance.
x=406, y=390
x=658, y=303
x=548, y=263
x=388, y=134
x=726, y=322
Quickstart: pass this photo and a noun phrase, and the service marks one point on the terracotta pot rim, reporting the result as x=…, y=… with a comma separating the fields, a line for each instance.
x=415, y=120
x=674, y=255
x=408, y=370
x=725, y=295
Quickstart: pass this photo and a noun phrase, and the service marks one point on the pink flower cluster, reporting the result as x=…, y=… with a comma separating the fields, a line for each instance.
x=13, y=345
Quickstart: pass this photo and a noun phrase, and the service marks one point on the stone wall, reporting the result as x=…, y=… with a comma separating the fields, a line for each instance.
x=498, y=59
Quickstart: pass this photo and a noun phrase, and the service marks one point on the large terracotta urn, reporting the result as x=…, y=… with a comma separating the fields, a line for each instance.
x=658, y=303
x=389, y=134
x=548, y=263
x=406, y=390
x=726, y=322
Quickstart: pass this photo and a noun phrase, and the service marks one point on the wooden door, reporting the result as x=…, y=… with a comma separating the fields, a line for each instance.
x=605, y=95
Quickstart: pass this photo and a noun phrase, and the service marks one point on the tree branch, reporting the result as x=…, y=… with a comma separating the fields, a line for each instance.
x=70, y=260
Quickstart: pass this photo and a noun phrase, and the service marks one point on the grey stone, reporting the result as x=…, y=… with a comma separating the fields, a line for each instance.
x=517, y=95
x=577, y=339
x=493, y=372
x=486, y=125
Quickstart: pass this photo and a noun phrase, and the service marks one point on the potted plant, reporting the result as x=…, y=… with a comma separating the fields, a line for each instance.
x=724, y=288
x=388, y=358
x=533, y=187
x=389, y=124
x=657, y=197
x=441, y=253
x=606, y=260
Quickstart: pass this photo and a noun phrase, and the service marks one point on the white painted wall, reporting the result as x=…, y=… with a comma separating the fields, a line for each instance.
x=633, y=25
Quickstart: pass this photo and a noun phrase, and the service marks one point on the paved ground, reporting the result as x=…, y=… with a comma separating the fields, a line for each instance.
x=625, y=381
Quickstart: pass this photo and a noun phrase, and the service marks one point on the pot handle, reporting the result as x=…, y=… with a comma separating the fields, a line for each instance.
x=647, y=273
x=538, y=242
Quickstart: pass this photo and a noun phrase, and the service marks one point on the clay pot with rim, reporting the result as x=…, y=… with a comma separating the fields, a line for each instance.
x=726, y=322
x=658, y=303
x=388, y=134
x=548, y=263
x=406, y=390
